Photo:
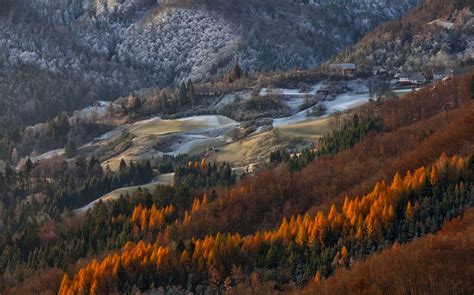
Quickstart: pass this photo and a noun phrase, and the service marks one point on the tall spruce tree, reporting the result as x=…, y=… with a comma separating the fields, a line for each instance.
x=190, y=91
x=70, y=150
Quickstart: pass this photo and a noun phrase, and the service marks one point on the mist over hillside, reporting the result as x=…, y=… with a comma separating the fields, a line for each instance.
x=60, y=55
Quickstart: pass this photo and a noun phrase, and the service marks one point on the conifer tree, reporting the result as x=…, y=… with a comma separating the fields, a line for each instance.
x=191, y=95
x=123, y=166
x=70, y=150
x=183, y=95
x=29, y=165
x=236, y=72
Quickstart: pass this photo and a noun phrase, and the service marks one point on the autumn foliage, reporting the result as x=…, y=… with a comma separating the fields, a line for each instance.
x=361, y=222
x=285, y=227
x=417, y=128
x=441, y=263
x=150, y=219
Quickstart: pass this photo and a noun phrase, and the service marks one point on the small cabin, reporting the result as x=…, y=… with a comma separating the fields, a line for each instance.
x=408, y=79
x=346, y=69
x=441, y=74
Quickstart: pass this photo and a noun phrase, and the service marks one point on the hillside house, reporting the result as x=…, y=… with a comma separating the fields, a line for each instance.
x=343, y=69
x=411, y=78
x=439, y=75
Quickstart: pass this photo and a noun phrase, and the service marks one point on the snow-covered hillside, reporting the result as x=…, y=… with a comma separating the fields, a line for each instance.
x=180, y=43
x=60, y=55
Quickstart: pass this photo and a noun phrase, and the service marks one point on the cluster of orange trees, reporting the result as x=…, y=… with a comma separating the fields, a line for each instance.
x=152, y=219
x=411, y=268
x=308, y=245
x=238, y=237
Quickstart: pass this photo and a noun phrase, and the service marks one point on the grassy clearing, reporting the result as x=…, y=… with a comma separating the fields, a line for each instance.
x=249, y=150
x=254, y=149
x=164, y=179
x=258, y=147
x=163, y=127
x=135, y=152
x=202, y=146
x=153, y=137
x=311, y=130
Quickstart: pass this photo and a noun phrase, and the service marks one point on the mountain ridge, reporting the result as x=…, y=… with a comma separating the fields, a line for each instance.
x=78, y=51
x=435, y=34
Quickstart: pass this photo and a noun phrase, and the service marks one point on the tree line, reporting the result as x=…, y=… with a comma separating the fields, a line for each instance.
x=204, y=174
x=306, y=246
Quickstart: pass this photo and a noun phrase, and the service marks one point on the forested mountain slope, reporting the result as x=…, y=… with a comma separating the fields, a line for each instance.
x=406, y=208
x=278, y=228
x=409, y=268
x=437, y=33
x=58, y=55
x=387, y=183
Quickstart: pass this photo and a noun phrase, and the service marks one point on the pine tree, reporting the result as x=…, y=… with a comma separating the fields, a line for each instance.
x=183, y=95
x=28, y=165
x=236, y=72
x=190, y=91
x=123, y=166
x=70, y=149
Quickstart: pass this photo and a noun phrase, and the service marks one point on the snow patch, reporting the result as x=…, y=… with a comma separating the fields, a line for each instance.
x=48, y=155
x=358, y=95
x=346, y=101
x=210, y=120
